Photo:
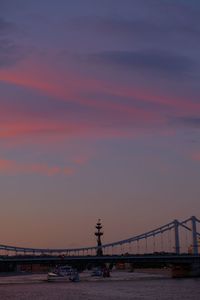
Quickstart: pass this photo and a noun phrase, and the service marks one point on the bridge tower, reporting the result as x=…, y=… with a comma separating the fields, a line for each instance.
x=194, y=236
x=98, y=234
x=176, y=231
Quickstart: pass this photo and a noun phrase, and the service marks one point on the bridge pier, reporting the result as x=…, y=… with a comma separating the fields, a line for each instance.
x=185, y=270
x=195, y=270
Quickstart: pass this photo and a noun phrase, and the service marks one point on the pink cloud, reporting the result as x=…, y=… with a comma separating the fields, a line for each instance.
x=73, y=88
x=38, y=75
x=196, y=156
x=80, y=160
x=13, y=167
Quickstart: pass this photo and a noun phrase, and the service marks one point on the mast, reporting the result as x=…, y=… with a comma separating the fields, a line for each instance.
x=98, y=234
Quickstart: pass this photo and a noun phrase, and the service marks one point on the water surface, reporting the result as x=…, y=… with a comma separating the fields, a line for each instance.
x=119, y=286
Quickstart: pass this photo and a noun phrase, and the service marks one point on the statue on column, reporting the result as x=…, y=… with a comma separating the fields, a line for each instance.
x=98, y=234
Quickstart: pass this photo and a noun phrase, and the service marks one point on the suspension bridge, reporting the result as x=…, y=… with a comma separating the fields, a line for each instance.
x=177, y=242
x=169, y=237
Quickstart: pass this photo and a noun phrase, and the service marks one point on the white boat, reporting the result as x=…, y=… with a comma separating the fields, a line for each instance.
x=63, y=273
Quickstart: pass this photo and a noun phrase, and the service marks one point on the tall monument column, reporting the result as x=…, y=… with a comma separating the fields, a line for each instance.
x=98, y=234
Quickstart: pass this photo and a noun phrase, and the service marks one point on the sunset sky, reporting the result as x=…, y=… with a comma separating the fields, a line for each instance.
x=100, y=118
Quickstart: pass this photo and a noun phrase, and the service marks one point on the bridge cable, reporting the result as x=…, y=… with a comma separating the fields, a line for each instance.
x=138, y=247
x=154, y=244
x=129, y=247
x=162, y=248
x=146, y=245
x=169, y=240
x=186, y=239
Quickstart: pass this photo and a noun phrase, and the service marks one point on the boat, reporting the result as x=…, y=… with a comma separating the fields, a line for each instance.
x=63, y=273
x=100, y=272
x=97, y=272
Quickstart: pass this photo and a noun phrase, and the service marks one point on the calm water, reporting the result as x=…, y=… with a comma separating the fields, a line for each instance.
x=137, y=287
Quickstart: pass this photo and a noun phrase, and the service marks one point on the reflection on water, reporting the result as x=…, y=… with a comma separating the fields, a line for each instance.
x=120, y=286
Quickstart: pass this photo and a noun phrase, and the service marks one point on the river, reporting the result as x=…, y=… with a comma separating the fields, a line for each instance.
x=121, y=285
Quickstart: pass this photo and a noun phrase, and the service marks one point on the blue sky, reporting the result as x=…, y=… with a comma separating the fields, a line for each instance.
x=100, y=117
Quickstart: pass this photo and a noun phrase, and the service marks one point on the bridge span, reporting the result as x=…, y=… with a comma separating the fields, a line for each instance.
x=165, y=259
x=174, y=237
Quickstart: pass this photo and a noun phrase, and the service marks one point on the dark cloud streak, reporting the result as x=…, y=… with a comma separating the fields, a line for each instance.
x=5, y=27
x=153, y=26
x=147, y=60
x=190, y=121
x=10, y=52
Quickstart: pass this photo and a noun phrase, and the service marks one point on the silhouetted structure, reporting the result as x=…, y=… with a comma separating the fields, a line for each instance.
x=98, y=234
